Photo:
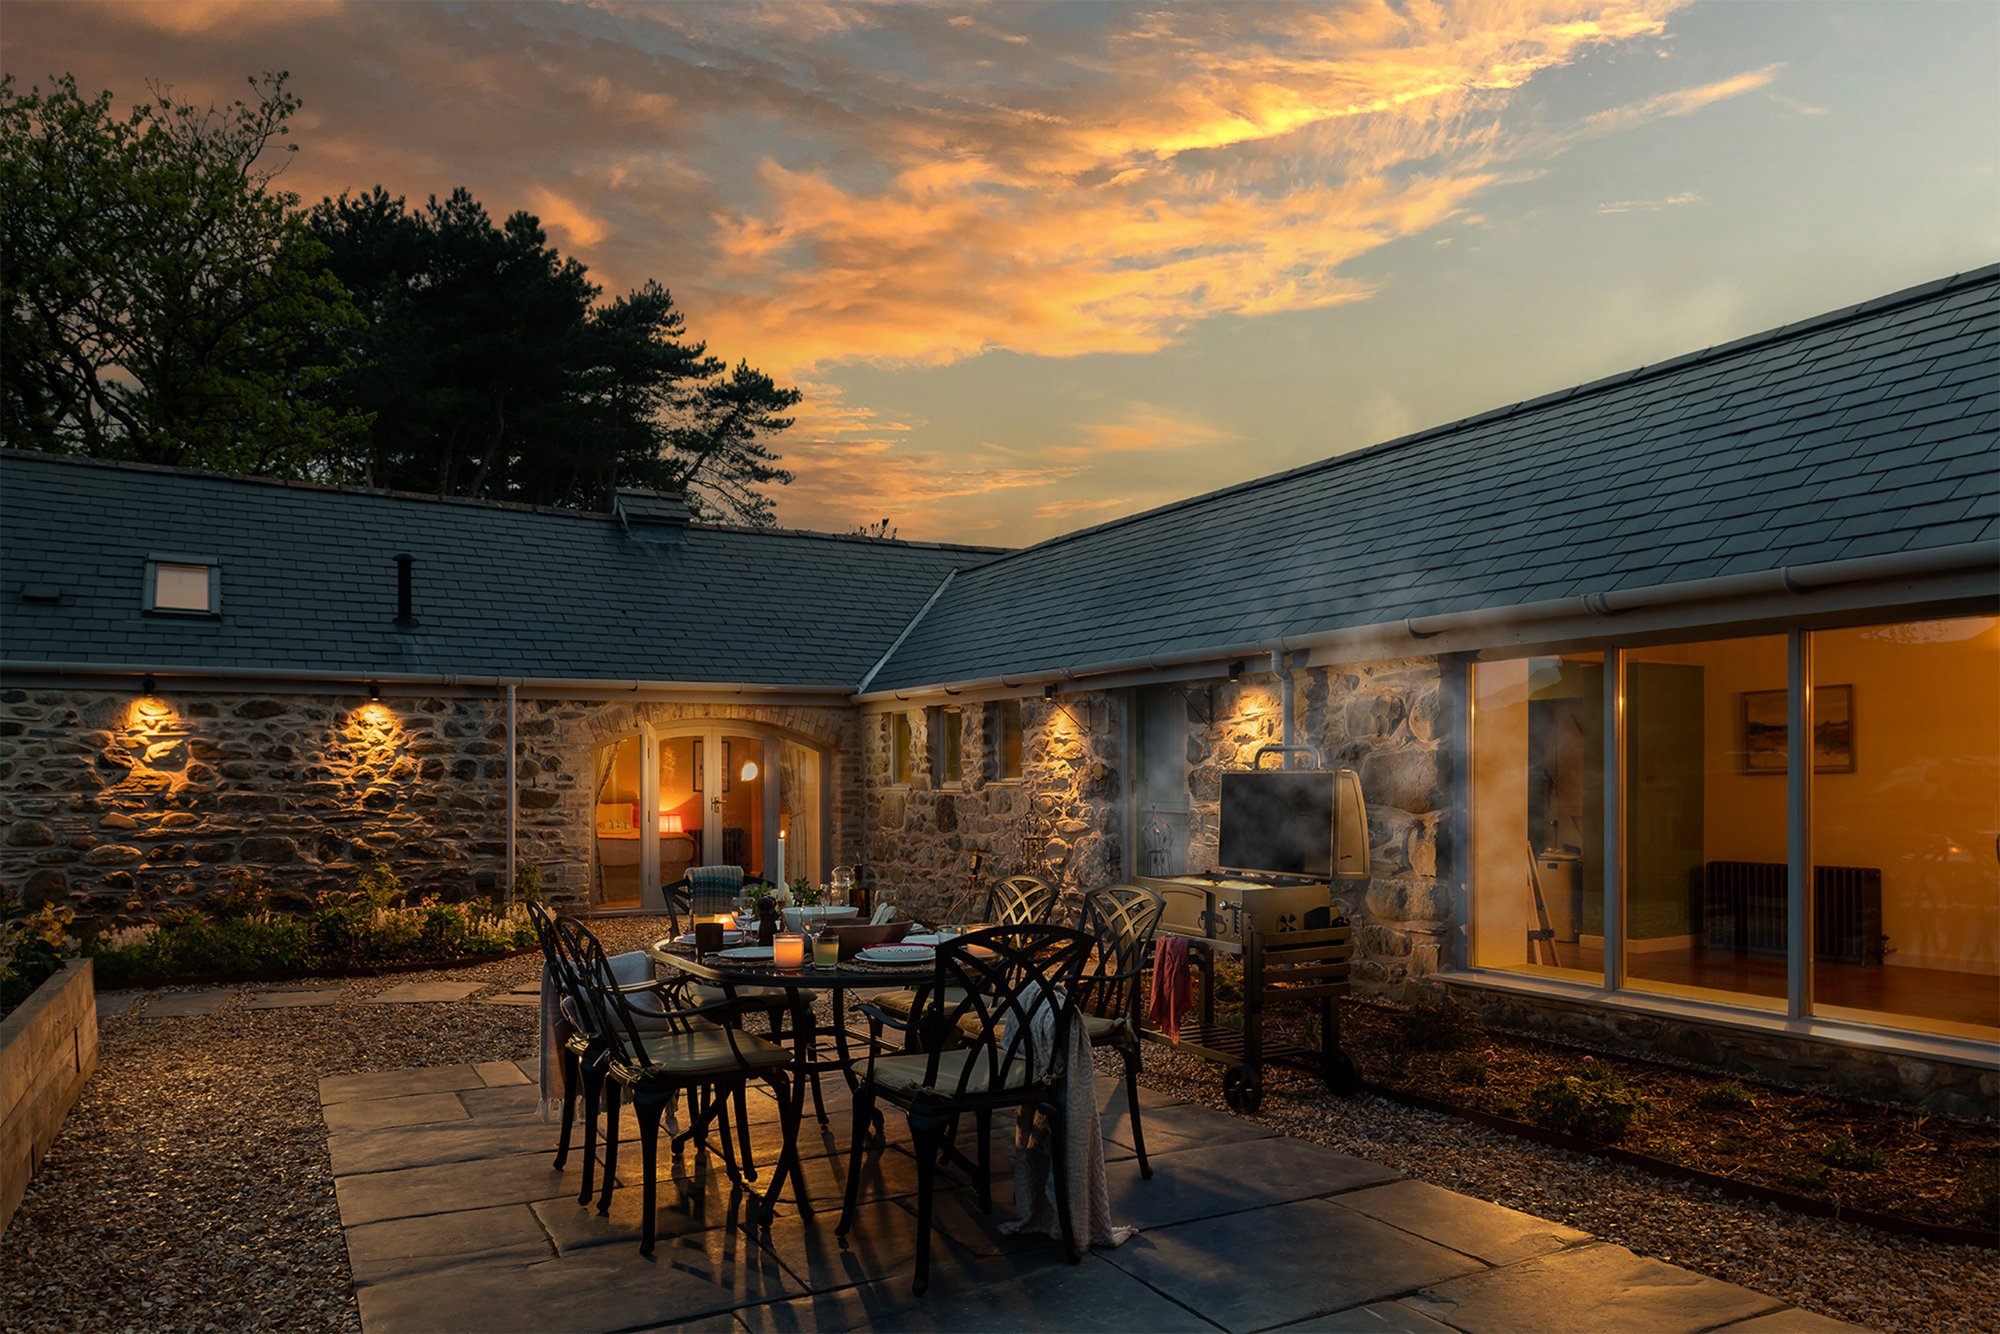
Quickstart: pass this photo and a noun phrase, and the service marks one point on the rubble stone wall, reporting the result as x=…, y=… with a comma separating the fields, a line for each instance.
x=121, y=807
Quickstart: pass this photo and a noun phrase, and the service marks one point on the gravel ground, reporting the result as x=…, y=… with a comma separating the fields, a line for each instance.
x=191, y=1188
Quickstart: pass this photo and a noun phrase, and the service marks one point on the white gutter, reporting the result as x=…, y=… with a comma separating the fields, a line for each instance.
x=1798, y=580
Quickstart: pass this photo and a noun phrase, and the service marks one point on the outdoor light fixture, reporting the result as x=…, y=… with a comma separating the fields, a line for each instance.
x=1049, y=690
x=148, y=686
x=375, y=691
x=1235, y=671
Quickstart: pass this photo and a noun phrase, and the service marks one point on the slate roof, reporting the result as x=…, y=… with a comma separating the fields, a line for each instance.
x=1870, y=430
x=309, y=583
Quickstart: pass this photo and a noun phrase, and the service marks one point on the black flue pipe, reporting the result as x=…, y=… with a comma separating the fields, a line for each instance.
x=405, y=610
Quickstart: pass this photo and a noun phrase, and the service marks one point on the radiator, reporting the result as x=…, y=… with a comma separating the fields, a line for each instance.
x=1744, y=909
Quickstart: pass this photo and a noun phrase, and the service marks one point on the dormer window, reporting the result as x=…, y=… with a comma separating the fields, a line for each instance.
x=183, y=586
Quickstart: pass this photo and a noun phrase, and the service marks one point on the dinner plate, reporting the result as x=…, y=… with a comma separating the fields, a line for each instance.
x=728, y=937
x=747, y=953
x=927, y=939
x=897, y=954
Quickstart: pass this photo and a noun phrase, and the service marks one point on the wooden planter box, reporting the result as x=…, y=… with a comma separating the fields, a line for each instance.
x=48, y=1047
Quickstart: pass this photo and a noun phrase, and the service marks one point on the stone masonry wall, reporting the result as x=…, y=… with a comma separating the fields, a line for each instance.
x=1062, y=819
x=121, y=807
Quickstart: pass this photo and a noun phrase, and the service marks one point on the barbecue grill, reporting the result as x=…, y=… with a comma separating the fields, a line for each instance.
x=1294, y=946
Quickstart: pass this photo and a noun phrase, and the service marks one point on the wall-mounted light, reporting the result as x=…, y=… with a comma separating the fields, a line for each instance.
x=148, y=686
x=375, y=691
x=1235, y=671
x=749, y=771
x=1049, y=690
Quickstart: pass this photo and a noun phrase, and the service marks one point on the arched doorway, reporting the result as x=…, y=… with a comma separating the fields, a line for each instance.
x=707, y=793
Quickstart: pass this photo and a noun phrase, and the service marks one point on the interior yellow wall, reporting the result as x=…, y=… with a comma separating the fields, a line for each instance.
x=1923, y=803
x=1500, y=896
x=1924, y=800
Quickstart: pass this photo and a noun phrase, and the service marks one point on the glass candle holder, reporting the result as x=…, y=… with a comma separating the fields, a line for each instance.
x=789, y=951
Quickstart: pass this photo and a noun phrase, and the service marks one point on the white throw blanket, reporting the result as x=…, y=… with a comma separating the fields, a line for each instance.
x=557, y=1027
x=1035, y=1185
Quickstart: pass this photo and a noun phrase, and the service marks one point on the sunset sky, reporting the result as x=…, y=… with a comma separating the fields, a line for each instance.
x=1038, y=266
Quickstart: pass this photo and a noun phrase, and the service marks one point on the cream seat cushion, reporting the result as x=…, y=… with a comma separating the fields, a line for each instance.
x=905, y=1074
x=706, y=1050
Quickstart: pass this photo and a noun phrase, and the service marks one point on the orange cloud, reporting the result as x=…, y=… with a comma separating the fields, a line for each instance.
x=575, y=228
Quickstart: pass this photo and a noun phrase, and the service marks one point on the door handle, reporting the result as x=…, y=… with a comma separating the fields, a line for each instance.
x=715, y=803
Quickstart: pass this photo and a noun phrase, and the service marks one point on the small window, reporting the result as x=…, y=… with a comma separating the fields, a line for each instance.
x=947, y=747
x=901, y=750
x=1003, y=732
x=184, y=586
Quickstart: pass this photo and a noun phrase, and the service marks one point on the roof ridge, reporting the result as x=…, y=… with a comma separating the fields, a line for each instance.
x=1969, y=278
x=474, y=502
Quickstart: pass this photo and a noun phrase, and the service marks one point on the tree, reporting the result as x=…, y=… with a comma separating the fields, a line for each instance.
x=160, y=298
x=490, y=368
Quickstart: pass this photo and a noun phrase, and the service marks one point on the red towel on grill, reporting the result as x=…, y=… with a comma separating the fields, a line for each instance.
x=1172, y=992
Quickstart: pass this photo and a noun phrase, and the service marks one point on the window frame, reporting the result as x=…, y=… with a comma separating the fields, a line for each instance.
x=902, y=748
x=151, y=588
x=947, y=745
x=996, y=750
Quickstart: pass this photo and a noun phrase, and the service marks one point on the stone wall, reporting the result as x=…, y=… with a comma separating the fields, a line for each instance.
x=1063, y=819
x=1953, y=1088
x=120, y=807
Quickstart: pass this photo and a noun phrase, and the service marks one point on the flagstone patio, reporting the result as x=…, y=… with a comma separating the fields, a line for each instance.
x=455, y=1221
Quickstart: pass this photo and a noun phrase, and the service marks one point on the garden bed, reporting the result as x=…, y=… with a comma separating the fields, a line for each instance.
x=295, y=975
x=48, y=1048
x=1867, y=1162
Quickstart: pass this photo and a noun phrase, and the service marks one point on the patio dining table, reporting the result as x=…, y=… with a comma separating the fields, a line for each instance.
x=855, y=974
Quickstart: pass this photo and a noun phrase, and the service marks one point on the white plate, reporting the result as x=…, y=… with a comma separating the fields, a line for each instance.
x=922, y=938
x=897, y=954
x=728, y=938
x=747, y=953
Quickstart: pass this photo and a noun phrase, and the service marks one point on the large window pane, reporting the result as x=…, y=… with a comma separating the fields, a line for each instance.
x=678, y=821
x=618, y=823
x=798, y=812
x=1163, y=796
x=1905, y=815
x=1538, y=815
x=1704, y=804
x=742, y=781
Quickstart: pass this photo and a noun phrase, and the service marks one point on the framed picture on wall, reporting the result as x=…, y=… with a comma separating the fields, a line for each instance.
x=1767, y=731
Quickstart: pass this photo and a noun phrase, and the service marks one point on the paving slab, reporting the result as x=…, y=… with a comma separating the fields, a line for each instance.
x=505, y=1101
x=185, y=1004
x=1184, y=1127
x=1791, y=1320
x=1224, y=1178
x=397, y=1083
x=1490, y=1232
x=507, y=1233
x=411, y=1192
x=513, y=999
x=411, y=993
x=293, y=998
x=389, y=1113
x=601, y=1289
x=1226, y=1268
x=1090, y=1296
x=111, y=1003
x=1375, y=1318
x=1589, y=1289
x=372, y=1150
x=501, y=1074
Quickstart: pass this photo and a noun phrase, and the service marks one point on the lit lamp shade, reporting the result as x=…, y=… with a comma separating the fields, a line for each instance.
x=670, y=824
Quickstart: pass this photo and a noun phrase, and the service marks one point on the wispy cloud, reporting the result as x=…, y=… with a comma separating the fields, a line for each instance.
x=1650, y=205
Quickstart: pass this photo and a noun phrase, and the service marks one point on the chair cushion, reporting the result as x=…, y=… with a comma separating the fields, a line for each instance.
x=898, y=1004
x=905, y=1074
x=647, y=1016
x=1100, y=1028
x=706, y=1050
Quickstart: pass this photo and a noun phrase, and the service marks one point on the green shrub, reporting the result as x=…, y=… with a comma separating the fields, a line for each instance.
x=1432, y=1019
x=379, y=887
x=1845, y=1151
x=33, y=947
x=528, y=881
x=246, y=896
x=1730, y=1097
x=1595, y=1107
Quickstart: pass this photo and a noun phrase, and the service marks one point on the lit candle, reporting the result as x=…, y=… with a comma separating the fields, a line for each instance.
x=789, y=951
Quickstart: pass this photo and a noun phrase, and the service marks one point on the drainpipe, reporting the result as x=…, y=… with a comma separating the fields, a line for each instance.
x=513, y=790
x=1285, y=692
